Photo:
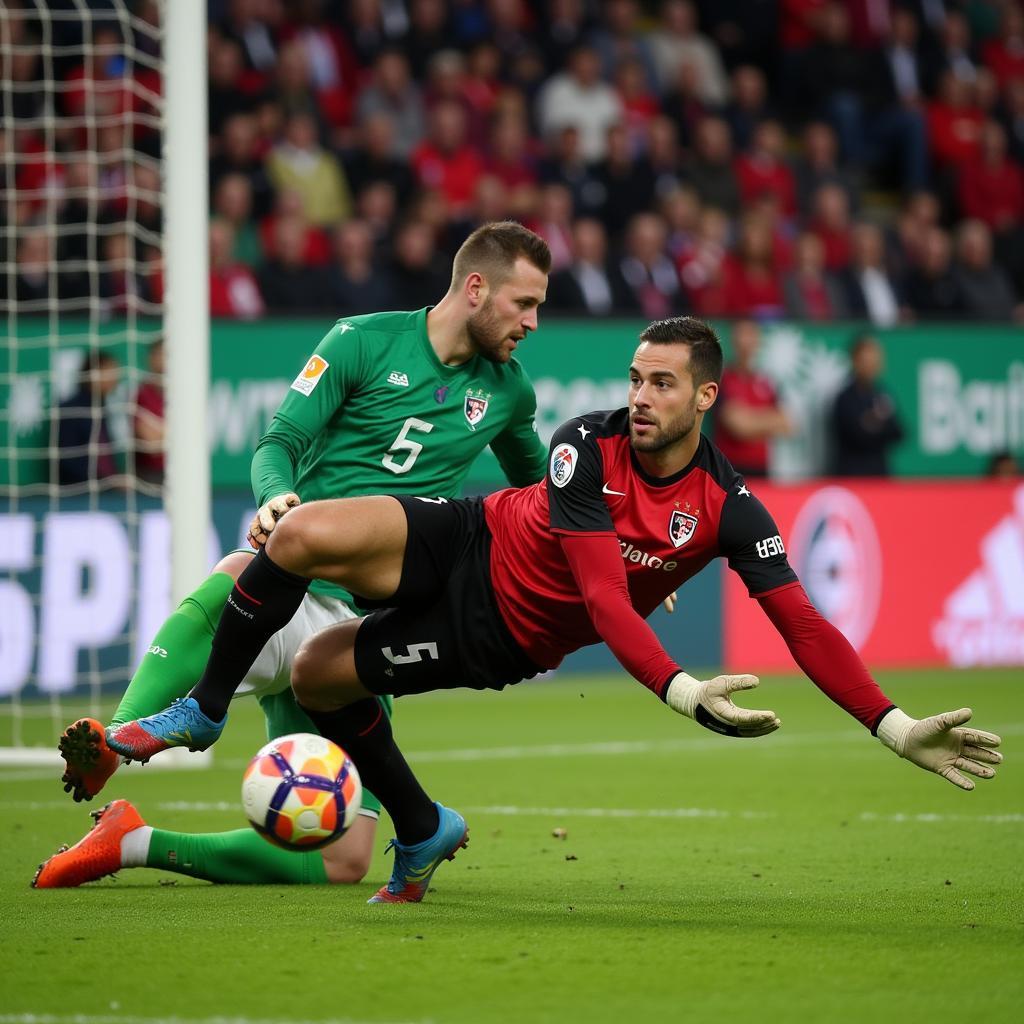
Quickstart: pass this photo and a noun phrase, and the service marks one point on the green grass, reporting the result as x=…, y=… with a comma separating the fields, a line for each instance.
x=806, y=876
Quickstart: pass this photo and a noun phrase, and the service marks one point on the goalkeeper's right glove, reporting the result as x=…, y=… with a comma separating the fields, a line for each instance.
x=709, y=704
x=263, y=522
x=939, y=744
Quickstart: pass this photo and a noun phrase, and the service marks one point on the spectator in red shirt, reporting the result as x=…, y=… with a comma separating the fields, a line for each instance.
x=510, y=159
x=810, y=291
x=764, y=168
x=1005, y=55
x=749, y=415
x=830, y=221
x=148, y=421
x=639, y=103
x=234, y=292
x=954, y=123
x=702, y=260
x=992, y=186
x=753, y=286
x=445, y=161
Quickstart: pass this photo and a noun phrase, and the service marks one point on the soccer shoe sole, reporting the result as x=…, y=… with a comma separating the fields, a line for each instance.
x=89, y=762
x=96, y=855
x=415, y=893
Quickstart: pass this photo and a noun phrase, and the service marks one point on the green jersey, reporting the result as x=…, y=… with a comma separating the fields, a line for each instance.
x=374, y=411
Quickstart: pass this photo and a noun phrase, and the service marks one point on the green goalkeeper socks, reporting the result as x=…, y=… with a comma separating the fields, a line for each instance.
x=240, y=858
x=179, y=652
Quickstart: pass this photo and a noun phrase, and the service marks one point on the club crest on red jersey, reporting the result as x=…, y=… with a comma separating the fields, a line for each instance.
x=563, y=464
x=475, y=406
x=681, y=527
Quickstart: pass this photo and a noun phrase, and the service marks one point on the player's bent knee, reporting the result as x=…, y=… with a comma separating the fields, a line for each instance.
x=348, y=860
x=234, y=563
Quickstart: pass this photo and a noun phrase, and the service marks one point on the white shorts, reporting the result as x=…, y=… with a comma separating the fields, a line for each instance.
x=272, y=670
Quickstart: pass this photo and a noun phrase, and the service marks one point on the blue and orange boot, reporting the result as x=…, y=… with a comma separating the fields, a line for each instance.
x=88, y=761
x=415, y=865
x=97, y=854
x=183, y=724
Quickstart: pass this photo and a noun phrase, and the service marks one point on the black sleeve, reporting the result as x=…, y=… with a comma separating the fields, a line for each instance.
x=574, y=481
x=749, y=538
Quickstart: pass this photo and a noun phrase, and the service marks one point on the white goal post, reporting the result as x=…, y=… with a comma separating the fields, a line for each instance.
x=104, y=120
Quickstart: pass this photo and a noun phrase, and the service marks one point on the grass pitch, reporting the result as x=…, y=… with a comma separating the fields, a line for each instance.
x=806, y=876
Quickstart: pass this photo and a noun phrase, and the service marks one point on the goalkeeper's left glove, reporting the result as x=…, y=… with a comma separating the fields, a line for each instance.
x=709, y=704
x=939, y=745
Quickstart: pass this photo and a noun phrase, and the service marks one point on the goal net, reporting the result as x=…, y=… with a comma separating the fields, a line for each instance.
x=85, y=545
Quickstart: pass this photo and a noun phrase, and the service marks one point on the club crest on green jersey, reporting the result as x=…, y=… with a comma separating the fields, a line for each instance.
x=475, y=406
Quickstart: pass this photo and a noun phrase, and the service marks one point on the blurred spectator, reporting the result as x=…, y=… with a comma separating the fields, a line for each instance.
x=664, y=156
x=36, y=276
x=749, y=104
x=481, y=85
x=301, y=164
x=590, y=285
x=753, y=287
x=639, y=104
x=702, y=263
x=864, y=420
x=856, y=94
x=819, y=165
x=676, y=42
x=1003, y=466
x=578, y=97
x=377, y=158
x=85, y=451
x=377, y=207
x=148, y=418
x=954, y=123
x=984, y=287
x=393, y=92
x=247, y=23
x=233, y=289
x=953, y=53
x=830, y=221
x=628, y=182
x=445, y=161
x=429, y=31
x=287, y=283
x=232, y=202
x=618, y=37
x=238, y=153
x=764, y=168
x=1013, y=117
x=919, y=214
x=225, y=95
x=812, y=293
x=371, y=26
x=744, y=31
x=680, y=209
x=122, y=287
x=566, y=166
x=417, y=273
x=684, y=105
x=568, y=25
x=748, y=415
x=932, y=289
x=554, y=223
x=902, y=67
x=648, y=271
x=871, y=293
x=1005, y=55
x=511, y=160
x=710, y=168
x=317, y=246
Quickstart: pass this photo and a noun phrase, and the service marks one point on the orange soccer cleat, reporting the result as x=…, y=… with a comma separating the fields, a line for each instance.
x=97, y=854
x=88, y=761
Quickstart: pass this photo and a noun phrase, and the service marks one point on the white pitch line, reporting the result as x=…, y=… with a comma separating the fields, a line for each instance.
x=619, y=812
x=930, y=818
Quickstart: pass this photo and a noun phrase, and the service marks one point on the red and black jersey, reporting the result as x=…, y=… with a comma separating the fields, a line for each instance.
x=588, y=553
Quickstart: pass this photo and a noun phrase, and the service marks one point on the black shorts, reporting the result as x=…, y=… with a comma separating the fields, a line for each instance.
x=442, y=627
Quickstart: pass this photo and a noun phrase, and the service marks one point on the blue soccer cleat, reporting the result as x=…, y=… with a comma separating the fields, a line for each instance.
x=415, y=865
x=183, y=724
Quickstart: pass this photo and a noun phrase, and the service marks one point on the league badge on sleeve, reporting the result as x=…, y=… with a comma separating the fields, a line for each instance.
x=681, y=527
x=563, y=464
x=310, y=376
x=475, y=406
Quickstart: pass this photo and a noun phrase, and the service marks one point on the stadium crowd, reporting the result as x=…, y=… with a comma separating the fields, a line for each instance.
x=809, y=159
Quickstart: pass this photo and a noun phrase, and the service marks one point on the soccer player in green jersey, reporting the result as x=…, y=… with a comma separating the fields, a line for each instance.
x=398, y=402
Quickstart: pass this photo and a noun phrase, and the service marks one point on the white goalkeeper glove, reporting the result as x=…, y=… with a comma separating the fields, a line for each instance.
x=709, y=704
x=262, y=525
x=669, y=604
x=939, y=745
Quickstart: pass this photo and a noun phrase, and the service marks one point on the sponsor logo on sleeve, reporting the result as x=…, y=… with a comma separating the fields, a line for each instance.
x=310, y=376
x=563, y=464
x=770, y=547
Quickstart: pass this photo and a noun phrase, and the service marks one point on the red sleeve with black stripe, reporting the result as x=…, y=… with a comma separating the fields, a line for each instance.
x=824, y=654
x=596, y=565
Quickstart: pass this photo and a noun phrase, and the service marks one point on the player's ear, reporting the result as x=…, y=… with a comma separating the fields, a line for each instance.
x=475, y=289
x=706, y=395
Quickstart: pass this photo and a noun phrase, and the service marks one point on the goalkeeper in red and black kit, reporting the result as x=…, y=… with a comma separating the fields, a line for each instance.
x=486, y=592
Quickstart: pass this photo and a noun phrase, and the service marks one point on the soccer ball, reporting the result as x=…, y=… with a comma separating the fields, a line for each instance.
x=301, y=792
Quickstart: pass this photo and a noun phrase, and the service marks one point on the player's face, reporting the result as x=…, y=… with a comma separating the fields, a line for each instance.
x=663, y=402
x=508, y=313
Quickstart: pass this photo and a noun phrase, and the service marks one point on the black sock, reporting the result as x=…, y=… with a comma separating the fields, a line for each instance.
x=363, y=730
x=263, y=601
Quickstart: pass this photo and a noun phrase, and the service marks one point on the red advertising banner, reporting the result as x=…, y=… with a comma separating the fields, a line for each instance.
x=912, y=573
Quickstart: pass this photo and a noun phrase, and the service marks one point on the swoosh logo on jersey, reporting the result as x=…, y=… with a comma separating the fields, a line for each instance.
x=607, y=490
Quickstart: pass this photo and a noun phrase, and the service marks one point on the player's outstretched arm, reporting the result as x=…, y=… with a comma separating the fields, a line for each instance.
x=263, y=523
x=940, y=744
x=709, y=703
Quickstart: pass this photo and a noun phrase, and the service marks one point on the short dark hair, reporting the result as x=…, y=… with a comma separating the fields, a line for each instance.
x=861, y=341
x=705, y=348
x=493, y=249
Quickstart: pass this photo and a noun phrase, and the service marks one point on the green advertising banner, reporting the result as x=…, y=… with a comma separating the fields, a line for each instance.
x=959, y=388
